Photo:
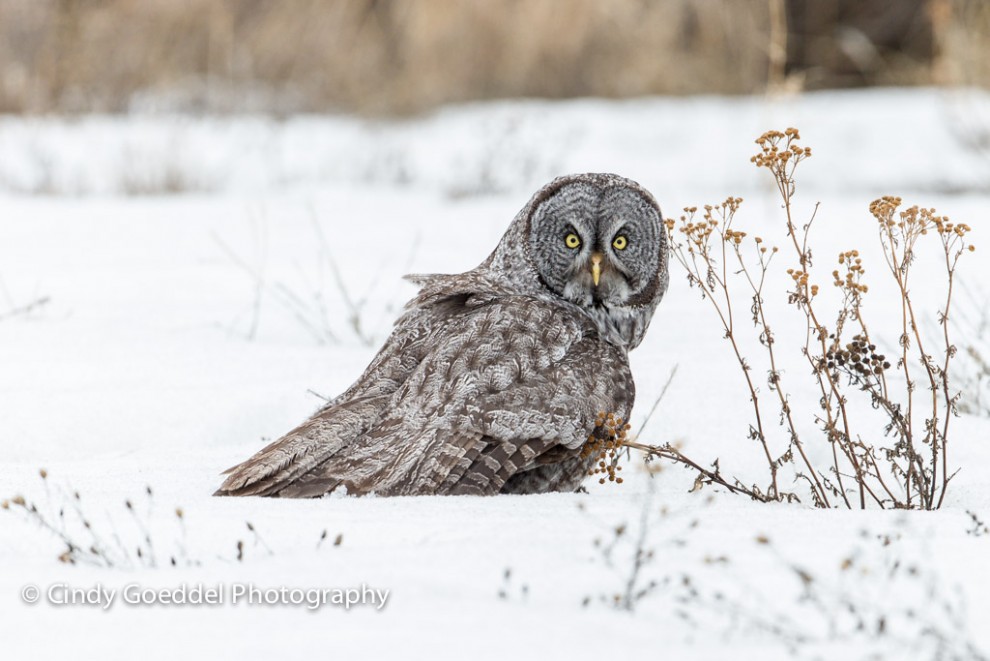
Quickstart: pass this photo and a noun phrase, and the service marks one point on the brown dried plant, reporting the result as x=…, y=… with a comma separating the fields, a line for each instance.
x=903, y=465
x=610, y=436
x=101, y=542
x=604, y=443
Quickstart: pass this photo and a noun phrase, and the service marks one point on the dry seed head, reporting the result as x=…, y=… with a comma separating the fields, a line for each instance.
x=602, y=446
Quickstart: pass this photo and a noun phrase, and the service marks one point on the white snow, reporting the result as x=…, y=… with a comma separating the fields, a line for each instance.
x=183, y=329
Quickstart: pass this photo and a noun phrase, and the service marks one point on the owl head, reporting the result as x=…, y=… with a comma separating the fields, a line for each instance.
x=596, y=241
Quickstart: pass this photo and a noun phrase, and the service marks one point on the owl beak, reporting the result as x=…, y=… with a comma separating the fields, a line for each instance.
x=596, y=267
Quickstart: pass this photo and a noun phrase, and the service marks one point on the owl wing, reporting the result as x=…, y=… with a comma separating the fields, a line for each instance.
x=500, y=384
x=506, y=383
x=276, y=467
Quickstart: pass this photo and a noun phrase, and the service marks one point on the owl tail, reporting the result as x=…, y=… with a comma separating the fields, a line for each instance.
x=277, y=466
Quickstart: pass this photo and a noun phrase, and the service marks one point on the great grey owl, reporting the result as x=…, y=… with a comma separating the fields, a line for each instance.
x=492, y=380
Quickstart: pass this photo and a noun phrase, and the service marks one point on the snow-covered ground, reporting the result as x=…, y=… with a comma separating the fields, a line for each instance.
x=193, y=279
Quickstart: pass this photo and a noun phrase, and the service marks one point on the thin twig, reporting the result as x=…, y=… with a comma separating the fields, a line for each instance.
x=26, y=309
x=714, y=477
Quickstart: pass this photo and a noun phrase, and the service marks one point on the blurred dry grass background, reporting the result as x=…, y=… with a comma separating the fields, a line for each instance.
x=404, y=56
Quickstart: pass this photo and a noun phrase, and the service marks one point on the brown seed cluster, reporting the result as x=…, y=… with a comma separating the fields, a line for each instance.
x=858, y=356
x=698, y=232
x=730, y=206
x=942, y=223
x=778, y=149
x=732, y=236
x=604, y=444
x=799, y=277
x=884, y=209
x=854, y=272
x=916, y=219
x=763, y=248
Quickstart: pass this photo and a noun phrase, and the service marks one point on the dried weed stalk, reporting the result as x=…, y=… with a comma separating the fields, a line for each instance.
x=87, y=540
x=141, y=543
x=903, y=465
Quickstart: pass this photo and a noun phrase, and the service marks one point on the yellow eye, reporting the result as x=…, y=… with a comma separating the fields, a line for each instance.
x=572, y=240
x=620, y=242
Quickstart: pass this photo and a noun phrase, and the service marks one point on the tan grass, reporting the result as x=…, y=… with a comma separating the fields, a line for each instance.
x=371, y=56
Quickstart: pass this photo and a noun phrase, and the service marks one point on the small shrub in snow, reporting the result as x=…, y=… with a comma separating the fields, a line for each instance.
x=89, y=541
x=898, y=458
x=879, y=598
x=143, y=539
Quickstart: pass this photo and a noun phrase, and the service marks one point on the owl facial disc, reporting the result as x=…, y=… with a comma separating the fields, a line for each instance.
x=597, y=241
